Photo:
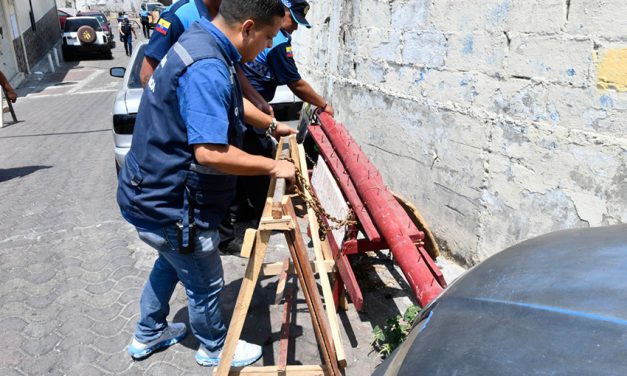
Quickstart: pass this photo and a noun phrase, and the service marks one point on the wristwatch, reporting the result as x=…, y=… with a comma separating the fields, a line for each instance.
x=271, y=128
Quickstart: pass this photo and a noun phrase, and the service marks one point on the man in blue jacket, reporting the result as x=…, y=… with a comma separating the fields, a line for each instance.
x=179, y=175
x=173, y=22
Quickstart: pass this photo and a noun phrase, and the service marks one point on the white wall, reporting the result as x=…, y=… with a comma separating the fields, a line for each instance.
x=493, y=116
x=40, y=8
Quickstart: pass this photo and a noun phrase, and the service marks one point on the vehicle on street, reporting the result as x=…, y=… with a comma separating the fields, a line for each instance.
x=63, y=15
x=83, y=35
x=286, y=105
x=106, y=24
x=552, y=305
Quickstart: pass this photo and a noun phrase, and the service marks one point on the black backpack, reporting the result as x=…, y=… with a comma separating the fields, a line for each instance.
x=126, y=28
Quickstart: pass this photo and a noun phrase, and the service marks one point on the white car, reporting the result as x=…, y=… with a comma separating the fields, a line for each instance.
x=85, y=35
x=286, y=105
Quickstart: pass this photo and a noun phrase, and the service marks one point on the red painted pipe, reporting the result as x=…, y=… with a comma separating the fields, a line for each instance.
x=377, y=200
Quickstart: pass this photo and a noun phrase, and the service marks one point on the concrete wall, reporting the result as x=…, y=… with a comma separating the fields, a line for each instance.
x=38, y=42
x=33, y=43
x=40, y=10
x=112, y=6
x=499, y=119
x=8, y=63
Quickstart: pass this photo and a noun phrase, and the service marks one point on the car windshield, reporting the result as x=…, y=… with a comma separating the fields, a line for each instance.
x=133, y=81
x=102, y=19
x=72, y=25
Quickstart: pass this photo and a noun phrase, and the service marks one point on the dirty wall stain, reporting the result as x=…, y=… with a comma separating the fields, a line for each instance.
x=612, y=70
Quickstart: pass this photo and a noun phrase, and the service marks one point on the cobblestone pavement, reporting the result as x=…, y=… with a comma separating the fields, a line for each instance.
x=71, y=270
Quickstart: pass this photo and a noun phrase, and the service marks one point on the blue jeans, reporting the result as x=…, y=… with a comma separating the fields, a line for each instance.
x=128, y=44
x=202, y=276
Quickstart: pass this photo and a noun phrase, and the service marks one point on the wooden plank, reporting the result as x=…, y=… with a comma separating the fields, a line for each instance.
x=279, y=189
x=355, y=246
x=306, y=370
x=324, y=277
x=243, y=301
x=345, y=270
x=285, y=332
x=284, y=223
x=329, y=195
x=312, y=297
x=295, y=152
x=348, y=188
x=430, y=244
x=248, y=243
x=280, y=288
x=275, y=268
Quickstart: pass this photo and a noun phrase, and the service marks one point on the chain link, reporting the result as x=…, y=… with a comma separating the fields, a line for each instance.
x=313, y=202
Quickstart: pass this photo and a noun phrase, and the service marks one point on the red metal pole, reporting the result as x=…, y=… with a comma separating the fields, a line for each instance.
x=378, y=201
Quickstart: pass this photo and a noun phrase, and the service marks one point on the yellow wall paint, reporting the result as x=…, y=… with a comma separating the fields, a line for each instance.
x=612, y=70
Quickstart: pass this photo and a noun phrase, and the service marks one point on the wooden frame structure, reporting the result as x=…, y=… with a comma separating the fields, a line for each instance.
x=279, y=215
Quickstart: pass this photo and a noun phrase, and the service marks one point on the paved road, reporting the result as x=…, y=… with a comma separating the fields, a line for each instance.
x=71, y=270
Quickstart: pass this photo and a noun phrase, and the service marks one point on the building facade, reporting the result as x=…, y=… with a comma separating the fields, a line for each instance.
x=28, y=30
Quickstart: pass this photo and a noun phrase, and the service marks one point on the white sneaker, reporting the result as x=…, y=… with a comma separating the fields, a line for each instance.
x=245, y=354
x=171, y=335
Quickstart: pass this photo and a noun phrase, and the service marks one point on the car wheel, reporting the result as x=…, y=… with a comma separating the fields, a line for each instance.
x=86, y=34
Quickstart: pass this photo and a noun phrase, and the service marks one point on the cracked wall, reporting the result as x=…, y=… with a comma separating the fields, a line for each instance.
x=500, y=120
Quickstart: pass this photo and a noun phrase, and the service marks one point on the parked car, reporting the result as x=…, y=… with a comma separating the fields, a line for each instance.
x=85, y=35
x=106, y=24
x=126, y=104
x=63, y=15
x=553, y=305
x=286, y=105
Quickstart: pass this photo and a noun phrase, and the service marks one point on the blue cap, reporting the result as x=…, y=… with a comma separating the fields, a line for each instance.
x=298, y=9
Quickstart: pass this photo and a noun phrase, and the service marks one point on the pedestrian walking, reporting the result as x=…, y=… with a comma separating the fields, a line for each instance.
x=127, y=31
x=145, y=21
x=120, y=21
x=179, y=175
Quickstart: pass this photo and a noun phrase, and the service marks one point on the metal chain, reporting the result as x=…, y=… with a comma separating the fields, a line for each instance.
x=313, y=202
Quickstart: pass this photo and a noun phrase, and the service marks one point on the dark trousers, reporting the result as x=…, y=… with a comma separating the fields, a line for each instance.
x=146, y=29
x=128, y=44
x=250, y=197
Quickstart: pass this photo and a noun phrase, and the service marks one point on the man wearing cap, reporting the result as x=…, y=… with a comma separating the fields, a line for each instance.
x=276, y=65
x=273, y=67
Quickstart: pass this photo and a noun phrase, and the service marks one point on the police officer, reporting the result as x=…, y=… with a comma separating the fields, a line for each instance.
x=120, y=20
x=273, y=67
x=173, y=22
x=125, y=31
x=179, y=175
x=144, y=18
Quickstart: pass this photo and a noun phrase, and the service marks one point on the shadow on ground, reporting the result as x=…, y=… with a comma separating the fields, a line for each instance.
x=18, y=172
